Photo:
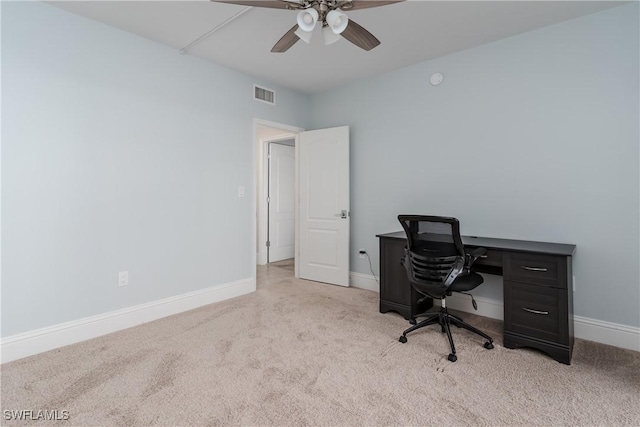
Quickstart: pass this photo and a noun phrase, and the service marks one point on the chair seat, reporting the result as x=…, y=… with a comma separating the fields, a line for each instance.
x=466, y=283
x=461, y=284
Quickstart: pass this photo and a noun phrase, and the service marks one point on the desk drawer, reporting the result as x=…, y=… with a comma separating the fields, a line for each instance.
x=545, y=270
x=536, y=311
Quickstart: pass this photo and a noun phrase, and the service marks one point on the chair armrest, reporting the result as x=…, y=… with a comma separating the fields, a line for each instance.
x=473, y=256
x=457, y=270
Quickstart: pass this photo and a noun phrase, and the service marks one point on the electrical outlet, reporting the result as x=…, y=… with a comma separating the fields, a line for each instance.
x=362, y=253
x=123, y=278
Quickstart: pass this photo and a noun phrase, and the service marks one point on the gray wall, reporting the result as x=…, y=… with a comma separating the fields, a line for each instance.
x=119, y=154
x=532, y=137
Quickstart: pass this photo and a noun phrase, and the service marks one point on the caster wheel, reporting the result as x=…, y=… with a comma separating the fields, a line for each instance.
x=488, y=345
x=452, y=357
x=412, y=321
x=402, y=339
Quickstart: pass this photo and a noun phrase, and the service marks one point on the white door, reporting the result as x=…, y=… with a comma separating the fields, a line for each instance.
x=324, y=205
x=281, y=202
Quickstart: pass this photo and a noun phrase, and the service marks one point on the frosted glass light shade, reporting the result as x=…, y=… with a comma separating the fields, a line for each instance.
x=337, y=21
x=307, y=19
x=305, y=36
x=329, y=36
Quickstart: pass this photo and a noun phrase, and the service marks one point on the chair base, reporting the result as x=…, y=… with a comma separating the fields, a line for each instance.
x=445, y=320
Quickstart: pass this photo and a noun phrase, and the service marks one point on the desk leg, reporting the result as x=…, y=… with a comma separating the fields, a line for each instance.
x=560, y=353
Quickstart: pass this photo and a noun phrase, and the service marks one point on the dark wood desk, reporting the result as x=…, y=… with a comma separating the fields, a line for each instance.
x=538, y=289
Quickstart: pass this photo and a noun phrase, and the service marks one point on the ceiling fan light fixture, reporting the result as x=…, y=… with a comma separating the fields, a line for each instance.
x=305, y=36
x=337, y=21
x=329, y=36
x=307, y=19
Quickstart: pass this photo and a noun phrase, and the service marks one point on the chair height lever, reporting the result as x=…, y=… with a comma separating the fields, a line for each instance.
x=473, y=301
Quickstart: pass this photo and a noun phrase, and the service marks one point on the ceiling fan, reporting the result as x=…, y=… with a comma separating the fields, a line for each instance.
x=335, y=24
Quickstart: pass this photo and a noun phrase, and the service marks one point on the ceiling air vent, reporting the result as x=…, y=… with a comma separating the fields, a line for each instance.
x=264, y=95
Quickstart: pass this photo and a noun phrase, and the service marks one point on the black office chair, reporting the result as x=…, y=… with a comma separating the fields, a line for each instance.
x=437, y=265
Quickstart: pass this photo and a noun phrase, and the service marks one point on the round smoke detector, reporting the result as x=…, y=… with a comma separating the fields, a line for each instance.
x=436, y=79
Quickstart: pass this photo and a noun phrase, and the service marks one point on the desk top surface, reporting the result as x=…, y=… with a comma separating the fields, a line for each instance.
x=504, y=244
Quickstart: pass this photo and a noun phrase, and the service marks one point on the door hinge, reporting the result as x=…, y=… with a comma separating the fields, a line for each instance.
x=268, y=244
x=268, y=199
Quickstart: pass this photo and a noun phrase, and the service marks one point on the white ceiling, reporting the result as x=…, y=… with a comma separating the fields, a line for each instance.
x=410, y=32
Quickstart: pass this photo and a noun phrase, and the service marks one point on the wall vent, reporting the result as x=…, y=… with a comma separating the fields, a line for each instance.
x=264, y=95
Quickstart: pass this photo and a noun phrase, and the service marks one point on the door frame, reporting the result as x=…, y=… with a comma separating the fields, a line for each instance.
x=260, y=180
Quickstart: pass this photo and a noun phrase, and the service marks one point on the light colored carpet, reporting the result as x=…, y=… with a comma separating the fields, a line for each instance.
x=305, y=353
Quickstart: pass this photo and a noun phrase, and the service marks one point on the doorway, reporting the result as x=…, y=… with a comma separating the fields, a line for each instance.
x=275, y=192
x=321, y=232
x=280, y=200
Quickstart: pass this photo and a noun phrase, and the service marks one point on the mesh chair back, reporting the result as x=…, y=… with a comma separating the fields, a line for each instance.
x=435, y=254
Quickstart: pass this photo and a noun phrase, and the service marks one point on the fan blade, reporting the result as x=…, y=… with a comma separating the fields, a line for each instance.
x=272, y=4
x=286, y=41
x=359, y=36
x=365, y=4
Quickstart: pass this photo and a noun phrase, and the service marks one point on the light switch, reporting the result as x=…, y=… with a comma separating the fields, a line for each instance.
x=241, y=191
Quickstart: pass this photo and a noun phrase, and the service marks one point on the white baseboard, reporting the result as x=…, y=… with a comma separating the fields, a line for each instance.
x=44, y=339
x=364, y=281
x=584, y=328
x=607, y=333
x=49, y=338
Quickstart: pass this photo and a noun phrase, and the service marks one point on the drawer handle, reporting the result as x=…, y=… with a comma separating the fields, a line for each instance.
x=483, y=256
x=530, y=310
x=524, y=267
